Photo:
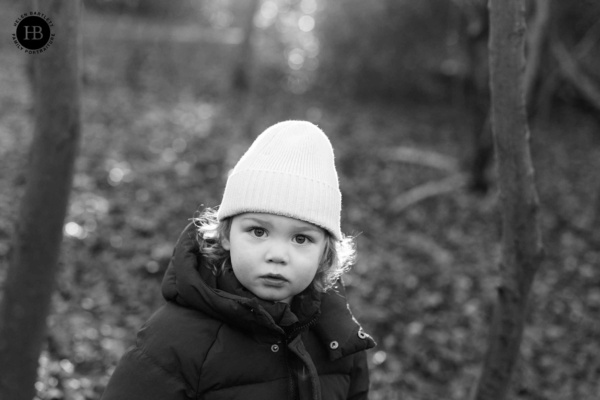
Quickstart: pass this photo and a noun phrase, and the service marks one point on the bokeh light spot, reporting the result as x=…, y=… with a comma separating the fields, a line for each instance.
x=308, y=6
x=115, y=176
x=379, y=357
x=74, y=230
x=296, y=58
x=306, y=23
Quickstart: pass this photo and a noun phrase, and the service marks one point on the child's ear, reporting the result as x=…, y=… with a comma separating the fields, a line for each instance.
x=226, y=244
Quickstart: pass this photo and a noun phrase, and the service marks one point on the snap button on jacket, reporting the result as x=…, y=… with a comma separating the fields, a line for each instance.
x=214, y=340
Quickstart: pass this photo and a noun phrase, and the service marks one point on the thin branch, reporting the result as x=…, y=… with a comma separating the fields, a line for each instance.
x=572, y=73
x=423, y=157
x=588, y=42
x=428, y=190
x=536, y=40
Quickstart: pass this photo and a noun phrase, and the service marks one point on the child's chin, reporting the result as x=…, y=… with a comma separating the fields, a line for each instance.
x=273, y=298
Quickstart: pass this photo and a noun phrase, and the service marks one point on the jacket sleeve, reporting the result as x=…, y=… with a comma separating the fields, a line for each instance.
x=137, y=377
x=359, y=378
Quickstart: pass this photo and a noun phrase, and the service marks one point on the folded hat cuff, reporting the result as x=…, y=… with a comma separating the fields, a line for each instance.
x=285, y=194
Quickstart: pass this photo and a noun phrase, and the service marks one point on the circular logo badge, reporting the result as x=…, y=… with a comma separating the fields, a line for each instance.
x=33, y=33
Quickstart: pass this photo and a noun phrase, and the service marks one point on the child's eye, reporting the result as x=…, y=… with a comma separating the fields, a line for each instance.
x=258, y=232
x=301, y=239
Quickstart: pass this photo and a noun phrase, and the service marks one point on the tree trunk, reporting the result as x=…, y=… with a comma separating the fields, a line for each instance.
x=243, y=100
x=34, y=256
x=240, y=79
x=475, y=31
x=521, y=244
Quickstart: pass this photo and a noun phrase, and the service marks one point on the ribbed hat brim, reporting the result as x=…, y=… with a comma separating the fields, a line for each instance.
x=283, y=194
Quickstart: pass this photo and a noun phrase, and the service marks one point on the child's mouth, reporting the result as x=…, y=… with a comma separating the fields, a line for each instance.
x=274, y=280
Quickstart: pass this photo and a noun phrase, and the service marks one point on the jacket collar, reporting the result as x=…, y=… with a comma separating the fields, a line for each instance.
x=189, y=283
x=338, y=328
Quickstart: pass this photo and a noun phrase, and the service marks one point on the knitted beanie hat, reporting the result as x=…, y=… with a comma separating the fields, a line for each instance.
x=288, y=170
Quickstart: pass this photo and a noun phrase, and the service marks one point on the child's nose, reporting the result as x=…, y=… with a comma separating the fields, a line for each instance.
x=277, y=253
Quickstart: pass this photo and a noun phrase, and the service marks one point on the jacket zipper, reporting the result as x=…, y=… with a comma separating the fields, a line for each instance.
x=292, y=388
x=299, y=328
x=294, y=394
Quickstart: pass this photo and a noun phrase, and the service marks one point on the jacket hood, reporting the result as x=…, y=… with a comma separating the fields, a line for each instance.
x=191, y=284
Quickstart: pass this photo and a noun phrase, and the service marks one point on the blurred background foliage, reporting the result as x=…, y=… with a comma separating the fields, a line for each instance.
x=175, y=91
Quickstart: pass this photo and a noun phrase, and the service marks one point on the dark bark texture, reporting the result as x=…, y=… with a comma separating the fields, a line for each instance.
x=36, y=246
x=521, y=244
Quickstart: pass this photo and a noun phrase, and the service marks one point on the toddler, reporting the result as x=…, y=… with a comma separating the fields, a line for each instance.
x=255, y=306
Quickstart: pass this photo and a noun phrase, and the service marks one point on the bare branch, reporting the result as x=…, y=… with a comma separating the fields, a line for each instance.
x=428, y=190
x=423, y=157
x=536, y=40
x=572, y=73
x=588, y=42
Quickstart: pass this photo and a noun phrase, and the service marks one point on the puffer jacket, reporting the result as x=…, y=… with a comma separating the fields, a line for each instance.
x=214, y=340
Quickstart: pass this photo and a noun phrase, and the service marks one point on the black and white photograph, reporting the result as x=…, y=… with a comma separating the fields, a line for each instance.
x=299, y=200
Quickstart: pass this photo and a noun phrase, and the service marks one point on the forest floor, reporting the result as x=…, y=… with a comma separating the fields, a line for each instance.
x=160, y=130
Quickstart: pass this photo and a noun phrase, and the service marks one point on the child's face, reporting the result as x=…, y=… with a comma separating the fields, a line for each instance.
x=274, y=257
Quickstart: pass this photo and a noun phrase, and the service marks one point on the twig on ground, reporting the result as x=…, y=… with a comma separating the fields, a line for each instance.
x=422, y=157
x=428, y=190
